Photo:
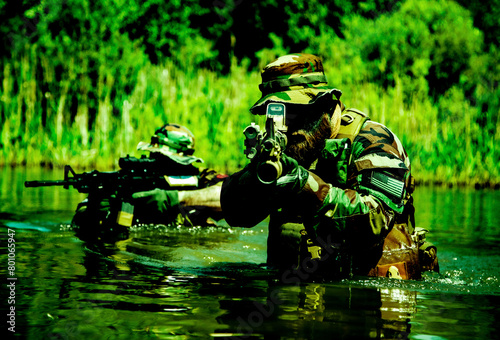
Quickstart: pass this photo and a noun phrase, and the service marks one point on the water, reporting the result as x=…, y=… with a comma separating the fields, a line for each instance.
x=210, y=283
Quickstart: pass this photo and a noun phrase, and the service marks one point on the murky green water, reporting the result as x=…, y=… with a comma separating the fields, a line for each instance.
x=183, y=283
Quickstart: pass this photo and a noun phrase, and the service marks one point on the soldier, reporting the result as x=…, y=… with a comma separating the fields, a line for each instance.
x=343, y=202
x=172, y=145
x=175, y=144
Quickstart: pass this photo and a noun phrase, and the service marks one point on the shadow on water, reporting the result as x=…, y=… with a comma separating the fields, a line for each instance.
x=178, y=283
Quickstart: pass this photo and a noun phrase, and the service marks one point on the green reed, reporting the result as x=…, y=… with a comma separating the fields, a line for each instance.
x=445, y=140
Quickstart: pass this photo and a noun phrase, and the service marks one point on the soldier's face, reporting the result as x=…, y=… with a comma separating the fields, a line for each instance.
x=306, y=138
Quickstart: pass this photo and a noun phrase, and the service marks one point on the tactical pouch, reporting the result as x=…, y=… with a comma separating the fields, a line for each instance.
x=351, y=123
x=399, y=253
x=338, y=151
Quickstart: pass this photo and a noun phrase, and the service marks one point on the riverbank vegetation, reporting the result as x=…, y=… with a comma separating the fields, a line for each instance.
x=83, y=82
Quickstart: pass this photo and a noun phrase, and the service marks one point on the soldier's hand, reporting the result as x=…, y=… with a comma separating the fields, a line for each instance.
x=294, y=176
x=289, y=164
x=156, y=206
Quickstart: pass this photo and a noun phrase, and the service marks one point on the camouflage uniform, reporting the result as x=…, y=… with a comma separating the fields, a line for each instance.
x=176, y=144
x=340, y=210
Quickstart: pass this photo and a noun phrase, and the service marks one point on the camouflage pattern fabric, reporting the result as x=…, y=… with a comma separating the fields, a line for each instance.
x=173, y=141
x=375, y=148
x=296, y=79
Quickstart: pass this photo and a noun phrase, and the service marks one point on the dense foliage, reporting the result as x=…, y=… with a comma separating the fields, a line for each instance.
x=84, y=81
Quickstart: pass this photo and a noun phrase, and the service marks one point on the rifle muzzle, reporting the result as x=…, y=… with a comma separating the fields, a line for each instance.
x=269, y=171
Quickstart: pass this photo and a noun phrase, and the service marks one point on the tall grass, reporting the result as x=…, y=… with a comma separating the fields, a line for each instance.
x=445, y=141
x=214, y=108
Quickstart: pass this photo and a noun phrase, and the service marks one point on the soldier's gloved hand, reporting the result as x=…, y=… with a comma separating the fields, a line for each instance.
x=156, y=206
x=293, y=177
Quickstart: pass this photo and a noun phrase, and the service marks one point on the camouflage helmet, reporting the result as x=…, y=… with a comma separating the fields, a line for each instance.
x=174, y=141
x=294, y=79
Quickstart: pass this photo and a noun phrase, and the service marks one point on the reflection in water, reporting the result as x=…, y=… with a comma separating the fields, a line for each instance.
x=316, y=311
x=180, y=283
x=460, y=216
x=244, y=300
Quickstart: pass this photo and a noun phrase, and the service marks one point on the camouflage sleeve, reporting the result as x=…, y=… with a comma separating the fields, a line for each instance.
x=362, y=219
x=381, y=164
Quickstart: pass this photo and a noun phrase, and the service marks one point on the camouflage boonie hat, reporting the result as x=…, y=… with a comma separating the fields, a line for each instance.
x=174, y=141
x=293, y=79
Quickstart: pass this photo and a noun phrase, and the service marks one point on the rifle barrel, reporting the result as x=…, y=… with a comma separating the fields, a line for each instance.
x=34, y=184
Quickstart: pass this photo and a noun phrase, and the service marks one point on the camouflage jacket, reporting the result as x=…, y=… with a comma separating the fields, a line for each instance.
x=355, y=191
x=368, y=183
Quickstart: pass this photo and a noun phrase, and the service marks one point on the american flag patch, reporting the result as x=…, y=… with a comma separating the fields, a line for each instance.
x=388, y=184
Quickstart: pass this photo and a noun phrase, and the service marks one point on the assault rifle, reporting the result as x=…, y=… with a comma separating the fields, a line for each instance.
x=267, y=147
x=135, y=174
